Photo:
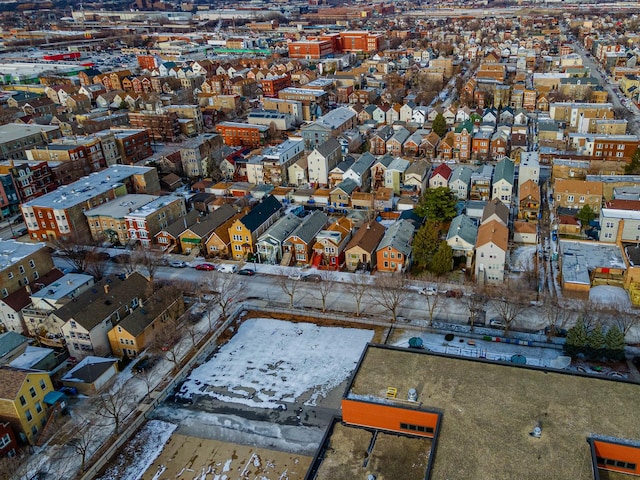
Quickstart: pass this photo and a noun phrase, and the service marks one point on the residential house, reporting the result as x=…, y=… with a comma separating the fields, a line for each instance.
x=379, y=139
x=460, y=181
x=462, y=137
x=12, y=345
x=395, y=143
x=196, y=235
x=414, y=145
x=495, y=210
x=480, y=188
x=336, y=174
x=529, y=168
x=440, y=176
x=394, y=175
x=529, y=201
x=360, y=171
x=297, y=172
x=575, y=194
x=322, y=160
x=136, y=331
x=244, y=232
x=378, y=171
x=22, y=264
x=90, y=375
x=329, y=125
x=499, y=146
x=503, y=180
x=492, y=244
x=340, y=196
x=481, y=143
x=525, y=232
x=328, y=249
x=218, y=243
x=168, y=238
x=8, y=441
x=22, y=402
x=299, y=244
x=269, y=246
x=620, y=221
x=87, y=320
x=350, y=141
x=416, y=176
x=461, y=237
x=430, y=146
x=360, y=253
x=394, y=250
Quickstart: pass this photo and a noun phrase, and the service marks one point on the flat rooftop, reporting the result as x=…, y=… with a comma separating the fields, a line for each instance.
x=120, y=206
x=12, y=251
x=391, y=456
x=155, y=205
x=15, y=131
x=488, y=410
x=62, y=287
x=87, y=187
x=579, y=258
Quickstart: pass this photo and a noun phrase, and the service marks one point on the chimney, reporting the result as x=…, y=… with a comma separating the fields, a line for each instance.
x=106, y=288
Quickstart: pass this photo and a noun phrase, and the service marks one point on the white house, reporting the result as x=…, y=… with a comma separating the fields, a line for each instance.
x=322, y=160
x=460, y=181
x=492, y=243
x=502, y=187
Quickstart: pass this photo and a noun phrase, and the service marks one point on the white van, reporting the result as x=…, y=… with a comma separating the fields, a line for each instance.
x=227, y=268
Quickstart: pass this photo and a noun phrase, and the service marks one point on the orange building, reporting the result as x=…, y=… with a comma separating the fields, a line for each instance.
x=271, y=86
x=440, y=416
x=244, y=134
x=310, y=49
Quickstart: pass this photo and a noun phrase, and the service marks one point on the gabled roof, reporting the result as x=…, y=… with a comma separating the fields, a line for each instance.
x=443, y=169
x=577, y=186
x=400, y=135
x=21, y=297
x=462, y=174
x=398, y=236
x=363, y=163
x=212, y=221
x=347, y=186
x=310, y=226
x=385, y=160
x=92, y=306
x=282, y=228
x=344, y=165
x=419, y=168
x=463, y=227
x=466, y=125
x=89, y=369
x=496, y=207
x=142, y=317
x=9, y=341
x=504, y=171
x=399, y=165
x=328, y=147
x=261, y=213
x=529, y=189
x=180, y=225
x=367, y=237
x=493, y=232
x=11, y=382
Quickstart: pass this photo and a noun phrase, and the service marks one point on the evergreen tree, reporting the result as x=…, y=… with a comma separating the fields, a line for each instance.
x=633, y=167
x=425, y=243
x=595, y=342
x=442, y=261
x=439, y=125
x=614, y=343
x=438, y=204
x=585, y=215
x=577, y=338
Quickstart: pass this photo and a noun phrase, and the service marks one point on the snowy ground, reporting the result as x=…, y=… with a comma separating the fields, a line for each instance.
x=268, y=362
x=144, y=447
x=522, y=259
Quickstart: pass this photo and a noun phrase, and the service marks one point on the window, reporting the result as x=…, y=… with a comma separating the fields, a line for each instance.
x=416, y=428
x=43, y=385
x=38, y=407
x=4, y=441
x=28, y=415
x=23, y=401
x=570, y=198
x=20, y=268
x=32, y=392
x=34, y=430
x=581, y=198
x=73, y=324
x=10, y=275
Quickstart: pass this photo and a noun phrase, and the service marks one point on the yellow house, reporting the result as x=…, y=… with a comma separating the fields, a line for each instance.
x=136, y=331
x=245, y=231
x=219, y=242
x=22, y=402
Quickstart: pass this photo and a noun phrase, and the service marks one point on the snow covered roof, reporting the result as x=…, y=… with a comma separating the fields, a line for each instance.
x=580, y=258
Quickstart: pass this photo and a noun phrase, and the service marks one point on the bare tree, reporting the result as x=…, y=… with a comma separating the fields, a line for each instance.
x=227, y=291
x=390, y=292
x=289, y=287
x=95, y=265
x=114, y=405
x=508, y=302
x=475, y=303
x=76, y=249
x=358, y=286
x=590, y=313
x=326, y=286
x=149, y=260
x=432, y=301
x=166, y=337
x=148, y=379
x=625, y=320
x=557, y=317
x=84, y=438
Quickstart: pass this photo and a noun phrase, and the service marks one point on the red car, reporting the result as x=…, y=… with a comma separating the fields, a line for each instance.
x=205, y=266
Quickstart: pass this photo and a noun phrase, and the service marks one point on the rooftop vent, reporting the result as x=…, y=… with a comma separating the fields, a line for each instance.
x=537, y=431
x=412, y=396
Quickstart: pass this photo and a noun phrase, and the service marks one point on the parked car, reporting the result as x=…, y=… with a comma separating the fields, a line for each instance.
x=454, y=293
x=178, y=264
x=312, y=277
x=206, y=266
x=295, y=276
x=227, y=268
x=496, y=322
x=428, y=291
x=20, y=232
x=247, y=271
x=144, y=364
